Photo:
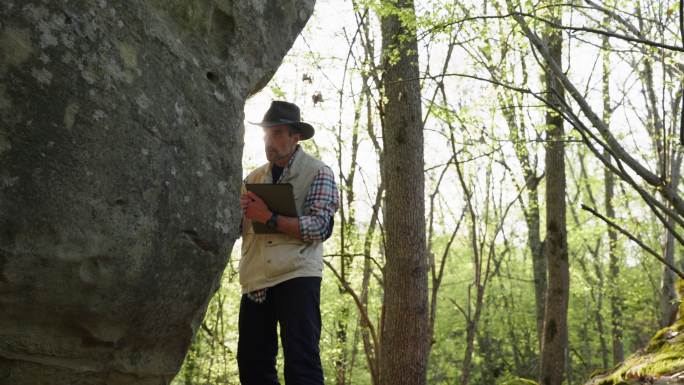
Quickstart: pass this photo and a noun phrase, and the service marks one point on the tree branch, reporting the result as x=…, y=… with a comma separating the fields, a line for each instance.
x=359, y=304
x=619, y=152
x=633, y=238
x=563, y=27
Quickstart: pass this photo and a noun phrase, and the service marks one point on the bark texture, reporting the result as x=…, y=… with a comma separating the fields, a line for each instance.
x=120, y=165
x=405, y=328
x=555, y=336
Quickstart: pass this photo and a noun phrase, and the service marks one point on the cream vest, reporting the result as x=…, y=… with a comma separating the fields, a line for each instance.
x=269, y=259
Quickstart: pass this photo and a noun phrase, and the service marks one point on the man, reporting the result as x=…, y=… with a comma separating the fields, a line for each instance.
x=280, y=274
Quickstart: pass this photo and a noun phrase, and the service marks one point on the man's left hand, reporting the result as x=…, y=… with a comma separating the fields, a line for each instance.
x=254, y=208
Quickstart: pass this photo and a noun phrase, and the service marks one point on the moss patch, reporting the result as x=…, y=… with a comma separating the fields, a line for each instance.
x=15, y=46
x=663, y=356
x=193, y=16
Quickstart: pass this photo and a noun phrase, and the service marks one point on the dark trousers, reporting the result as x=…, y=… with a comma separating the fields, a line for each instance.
x=295, y=305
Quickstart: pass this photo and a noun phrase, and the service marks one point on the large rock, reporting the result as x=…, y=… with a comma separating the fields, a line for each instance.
x=120, y=164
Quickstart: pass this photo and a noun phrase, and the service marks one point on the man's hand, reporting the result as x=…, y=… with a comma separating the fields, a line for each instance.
x=254, y=208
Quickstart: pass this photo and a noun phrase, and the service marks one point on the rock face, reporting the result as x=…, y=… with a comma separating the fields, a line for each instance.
x=120, y=164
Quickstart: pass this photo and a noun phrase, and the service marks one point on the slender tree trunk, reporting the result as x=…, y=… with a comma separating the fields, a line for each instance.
x=554, y=341
x=539, y=262
x=531, y=210
x=484, y=263
x=515, y=342
x=516, y=125
x=371, y=346
x=472, y=320
x=471, y=331
x=668, y=297
x=614, y=289
x=403, y=356
x=347, y=232
x=489, y=351
x=656, y=128
x=669, y=303
x=596, y=282
x=598, y=295
x=341, y=334
x=599, y=323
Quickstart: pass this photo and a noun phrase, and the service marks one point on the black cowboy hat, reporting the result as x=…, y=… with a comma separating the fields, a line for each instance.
x=286, y=113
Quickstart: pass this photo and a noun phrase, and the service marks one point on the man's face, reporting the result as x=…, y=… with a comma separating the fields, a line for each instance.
x=278, y=143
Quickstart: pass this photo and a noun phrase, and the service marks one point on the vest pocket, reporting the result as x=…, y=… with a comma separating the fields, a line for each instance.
x=248, y=266
x=282, y=257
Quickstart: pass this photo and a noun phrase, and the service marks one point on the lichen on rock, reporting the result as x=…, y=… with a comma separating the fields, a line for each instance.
x=120, y=165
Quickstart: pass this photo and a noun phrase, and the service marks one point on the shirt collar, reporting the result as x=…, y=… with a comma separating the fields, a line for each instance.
x=294, y=154
x=289, y=163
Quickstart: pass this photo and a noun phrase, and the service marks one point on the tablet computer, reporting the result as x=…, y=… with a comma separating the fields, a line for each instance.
x=279, y=198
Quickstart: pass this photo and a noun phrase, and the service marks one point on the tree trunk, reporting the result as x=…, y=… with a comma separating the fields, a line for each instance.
x=471, y=331
x=614, y=281
x=403, y=356
x=531, y=210
x=598, y=298
x=539, y=261
x=669, y=303
x=668, y=297
x=614, y=289
x=554, y=342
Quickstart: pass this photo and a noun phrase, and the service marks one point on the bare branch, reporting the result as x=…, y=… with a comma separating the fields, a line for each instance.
x=633, y=238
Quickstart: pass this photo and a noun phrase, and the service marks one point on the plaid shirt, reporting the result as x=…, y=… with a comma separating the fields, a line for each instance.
x=320, y=205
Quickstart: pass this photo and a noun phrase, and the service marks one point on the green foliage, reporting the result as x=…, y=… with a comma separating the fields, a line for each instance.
x=212, y=355
x=278, y=92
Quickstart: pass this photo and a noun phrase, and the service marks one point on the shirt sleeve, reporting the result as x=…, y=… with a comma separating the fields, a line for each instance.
x=320, y=205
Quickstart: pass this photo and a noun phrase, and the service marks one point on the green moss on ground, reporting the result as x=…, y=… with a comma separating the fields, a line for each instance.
x=663, y=356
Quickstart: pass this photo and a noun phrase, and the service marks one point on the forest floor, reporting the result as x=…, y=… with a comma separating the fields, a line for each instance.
x=660, y=363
